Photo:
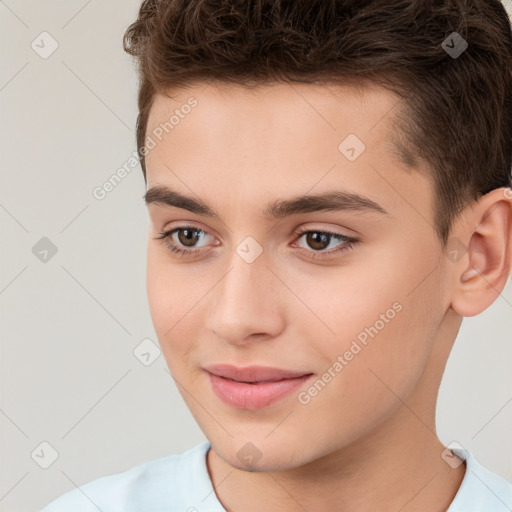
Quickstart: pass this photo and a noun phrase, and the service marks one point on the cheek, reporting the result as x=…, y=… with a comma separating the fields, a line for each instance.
x=167, y=295
x=384, y=340
x=382, y=320
x=176, y=298
x=157, y=287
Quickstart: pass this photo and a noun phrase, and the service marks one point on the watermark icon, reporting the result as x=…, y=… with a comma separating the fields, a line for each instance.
x=508, y=192
x=44, y=455
x=454, y=454
x=351, y=147
x=249, y=249
x=249, y=454
x=147, y=352
x=44, y=45
x=305, y=397
x=454, y=45
x=455, y=249
x=44, y=250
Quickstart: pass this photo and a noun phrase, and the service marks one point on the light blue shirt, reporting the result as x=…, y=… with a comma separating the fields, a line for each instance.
x=180, y=483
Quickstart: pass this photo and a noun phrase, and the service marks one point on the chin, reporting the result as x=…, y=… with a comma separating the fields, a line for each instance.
x=264, y=454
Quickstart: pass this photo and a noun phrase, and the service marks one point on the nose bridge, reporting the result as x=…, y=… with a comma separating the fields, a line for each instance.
x=243, y=300
x=241, y=288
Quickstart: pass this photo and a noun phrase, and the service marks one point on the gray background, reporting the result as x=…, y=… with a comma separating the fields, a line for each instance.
x=70, y=324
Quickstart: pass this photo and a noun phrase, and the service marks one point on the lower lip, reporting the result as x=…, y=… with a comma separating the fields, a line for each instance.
x=253, y=396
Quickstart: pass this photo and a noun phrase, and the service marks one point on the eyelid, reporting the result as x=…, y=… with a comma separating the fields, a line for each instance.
x=335, y=230
x=185, y=224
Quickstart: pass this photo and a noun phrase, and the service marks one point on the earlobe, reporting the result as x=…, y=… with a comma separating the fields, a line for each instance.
x=484, y=271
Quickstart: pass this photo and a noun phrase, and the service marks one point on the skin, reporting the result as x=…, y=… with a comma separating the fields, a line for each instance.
x=368, y=440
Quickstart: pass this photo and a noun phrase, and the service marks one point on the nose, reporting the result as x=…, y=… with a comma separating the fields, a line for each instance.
x=246, y=305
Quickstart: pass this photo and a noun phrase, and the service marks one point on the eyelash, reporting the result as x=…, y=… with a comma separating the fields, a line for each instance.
x=165, y=237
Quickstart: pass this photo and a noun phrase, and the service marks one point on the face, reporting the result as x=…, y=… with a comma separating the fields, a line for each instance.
x=347, y=297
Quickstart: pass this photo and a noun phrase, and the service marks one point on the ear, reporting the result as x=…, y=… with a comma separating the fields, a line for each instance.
x=483, y=271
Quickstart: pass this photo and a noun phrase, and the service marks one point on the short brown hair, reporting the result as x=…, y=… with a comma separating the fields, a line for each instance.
x=456, y=112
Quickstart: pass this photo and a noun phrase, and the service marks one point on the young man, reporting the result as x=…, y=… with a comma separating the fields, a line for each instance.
x=328, y=184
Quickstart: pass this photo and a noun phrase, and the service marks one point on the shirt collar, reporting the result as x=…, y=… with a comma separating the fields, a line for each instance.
x=480, y=490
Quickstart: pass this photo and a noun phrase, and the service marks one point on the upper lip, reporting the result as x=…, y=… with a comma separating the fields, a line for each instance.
x=253, y=373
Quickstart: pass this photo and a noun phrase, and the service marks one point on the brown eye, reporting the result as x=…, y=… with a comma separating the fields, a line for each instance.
x=317, y=240
x=186, y=241
x=190, y=236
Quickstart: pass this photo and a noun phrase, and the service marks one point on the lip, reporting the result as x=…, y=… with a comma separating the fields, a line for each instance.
x=253, y=373
x=253, y=387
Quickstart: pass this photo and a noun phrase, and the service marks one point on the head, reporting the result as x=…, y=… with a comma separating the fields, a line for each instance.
x=283, y=122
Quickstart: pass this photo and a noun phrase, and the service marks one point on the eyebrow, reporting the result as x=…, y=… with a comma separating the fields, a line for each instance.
x=328, y=201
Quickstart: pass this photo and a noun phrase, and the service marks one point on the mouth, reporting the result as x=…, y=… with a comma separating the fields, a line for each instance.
x=253, y=387
x=253, y=374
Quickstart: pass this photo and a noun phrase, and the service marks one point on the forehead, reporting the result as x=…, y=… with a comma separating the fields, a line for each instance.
x=277, y=140
x=236, y=102
x=312, y=109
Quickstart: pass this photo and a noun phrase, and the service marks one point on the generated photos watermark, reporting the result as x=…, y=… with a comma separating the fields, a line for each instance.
x=356, y=347
x=100, y=192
